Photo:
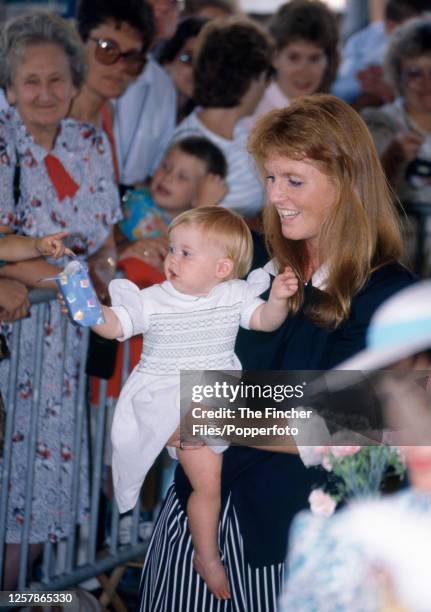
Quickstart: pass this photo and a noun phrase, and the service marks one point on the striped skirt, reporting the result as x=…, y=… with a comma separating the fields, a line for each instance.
x=170, y=584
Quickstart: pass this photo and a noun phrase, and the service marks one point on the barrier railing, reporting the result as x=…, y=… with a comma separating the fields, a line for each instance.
x=80, y=556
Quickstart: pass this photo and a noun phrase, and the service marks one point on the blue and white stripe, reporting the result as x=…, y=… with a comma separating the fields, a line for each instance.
x=170, y=584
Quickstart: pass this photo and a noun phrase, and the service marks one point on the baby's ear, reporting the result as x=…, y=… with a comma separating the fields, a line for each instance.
x=224, y=268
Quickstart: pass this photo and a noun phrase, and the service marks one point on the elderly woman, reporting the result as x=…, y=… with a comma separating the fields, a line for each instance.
x=55, y=174
x=329, y=215
x=402, y=129
x=230, y=76
x=306, y=56
x=116, y=35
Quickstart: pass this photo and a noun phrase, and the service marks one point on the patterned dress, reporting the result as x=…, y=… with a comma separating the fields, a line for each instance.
x=332, y=561
x=87, y=216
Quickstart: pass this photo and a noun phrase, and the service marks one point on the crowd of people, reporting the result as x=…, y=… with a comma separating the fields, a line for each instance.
x=187, y=150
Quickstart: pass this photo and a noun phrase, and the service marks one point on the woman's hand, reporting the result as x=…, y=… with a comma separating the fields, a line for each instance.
x=152, y=251
x=212, y=188
x=100, y=286
x=60, y=300
x=14, y=302
x=408, y=144
x=175, y=441
x=53, y=246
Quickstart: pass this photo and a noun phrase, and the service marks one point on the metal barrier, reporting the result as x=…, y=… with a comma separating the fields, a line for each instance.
x=62, y=566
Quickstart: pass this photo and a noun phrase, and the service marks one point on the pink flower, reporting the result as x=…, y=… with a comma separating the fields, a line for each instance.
x=344, y=451
x=321, y=503
x=321, y=451
x=326, y=463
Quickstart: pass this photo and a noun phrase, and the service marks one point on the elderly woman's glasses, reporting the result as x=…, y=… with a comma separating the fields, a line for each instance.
x=107, y=52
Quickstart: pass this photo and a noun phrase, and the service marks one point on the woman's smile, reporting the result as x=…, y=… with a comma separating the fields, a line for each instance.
x=302, y=195
x=287, y=214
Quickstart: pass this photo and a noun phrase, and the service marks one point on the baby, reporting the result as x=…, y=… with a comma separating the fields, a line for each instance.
x=190, y=175
x=190, y=322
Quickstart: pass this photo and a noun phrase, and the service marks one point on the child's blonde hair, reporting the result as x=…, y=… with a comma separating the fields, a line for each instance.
x=227, y=228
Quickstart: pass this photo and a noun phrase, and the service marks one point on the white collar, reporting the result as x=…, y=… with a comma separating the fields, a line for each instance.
x=320, y=277
x=186, y=297
x=318, y=280
x=276, y=96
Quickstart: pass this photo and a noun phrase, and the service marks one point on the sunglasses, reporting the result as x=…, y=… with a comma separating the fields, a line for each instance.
x=107, y=52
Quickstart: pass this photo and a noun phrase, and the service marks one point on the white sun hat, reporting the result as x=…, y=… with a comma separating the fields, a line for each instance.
x=400, y=327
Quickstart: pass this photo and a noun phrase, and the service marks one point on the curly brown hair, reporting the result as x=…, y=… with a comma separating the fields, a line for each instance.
x=231, y=55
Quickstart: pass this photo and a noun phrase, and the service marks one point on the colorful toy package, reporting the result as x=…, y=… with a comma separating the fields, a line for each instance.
x=79, y=294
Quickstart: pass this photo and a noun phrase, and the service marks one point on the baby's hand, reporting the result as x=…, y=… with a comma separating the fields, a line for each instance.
x=409, y=143
x=210, y=191
x=53, y=245
x=285, y=284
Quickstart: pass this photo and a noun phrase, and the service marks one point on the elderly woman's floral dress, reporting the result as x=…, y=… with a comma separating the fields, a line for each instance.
x=72, y=189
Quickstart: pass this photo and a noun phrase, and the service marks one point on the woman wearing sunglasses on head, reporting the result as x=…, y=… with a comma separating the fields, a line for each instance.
x=117, y=35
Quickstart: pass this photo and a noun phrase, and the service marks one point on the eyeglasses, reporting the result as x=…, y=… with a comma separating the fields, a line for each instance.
x=415, y=76
x=186, y=58
x=107, y=52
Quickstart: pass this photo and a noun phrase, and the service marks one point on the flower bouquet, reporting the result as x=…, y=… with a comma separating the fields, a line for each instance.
x=356, y=471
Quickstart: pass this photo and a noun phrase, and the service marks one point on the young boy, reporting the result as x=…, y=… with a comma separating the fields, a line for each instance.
x=190, y=322
x=190, y=175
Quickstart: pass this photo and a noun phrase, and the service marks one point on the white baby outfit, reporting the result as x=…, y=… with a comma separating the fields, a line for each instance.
x=182, y=332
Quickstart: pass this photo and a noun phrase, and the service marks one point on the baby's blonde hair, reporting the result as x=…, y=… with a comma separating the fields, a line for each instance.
x=227, y=228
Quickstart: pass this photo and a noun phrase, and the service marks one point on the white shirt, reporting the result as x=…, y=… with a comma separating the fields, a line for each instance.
x=272, y=98
x=245, y=195
x=185, y=332
x=182, y=332
x=144, y=123
x=365, y=48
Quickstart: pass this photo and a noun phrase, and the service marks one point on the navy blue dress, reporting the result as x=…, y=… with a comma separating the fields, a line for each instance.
x=261, y=490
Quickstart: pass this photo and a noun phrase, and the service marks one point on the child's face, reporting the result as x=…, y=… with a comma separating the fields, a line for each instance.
x=175, y=182
x=300, y=68
x=195, y=263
